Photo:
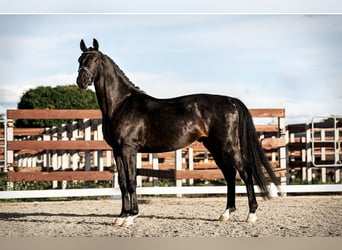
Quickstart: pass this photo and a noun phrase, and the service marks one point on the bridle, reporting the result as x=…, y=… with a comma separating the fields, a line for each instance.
x=91, y=75
x=86, y=69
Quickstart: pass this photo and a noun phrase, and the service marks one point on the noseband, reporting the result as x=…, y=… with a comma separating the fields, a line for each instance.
x=91, y=75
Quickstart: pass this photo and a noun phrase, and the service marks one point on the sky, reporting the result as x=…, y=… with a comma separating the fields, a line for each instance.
x=266, y=60
x=171, y=6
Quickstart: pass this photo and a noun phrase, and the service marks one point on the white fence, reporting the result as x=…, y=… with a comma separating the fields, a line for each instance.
x=185, y=190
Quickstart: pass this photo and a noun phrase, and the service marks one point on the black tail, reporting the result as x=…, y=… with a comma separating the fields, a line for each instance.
x=251, y=149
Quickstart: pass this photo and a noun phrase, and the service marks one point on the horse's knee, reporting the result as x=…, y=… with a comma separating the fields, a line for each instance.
x=123, y=186
x=132, y=186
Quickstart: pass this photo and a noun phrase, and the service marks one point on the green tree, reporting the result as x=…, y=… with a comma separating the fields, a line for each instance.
x=60, y=97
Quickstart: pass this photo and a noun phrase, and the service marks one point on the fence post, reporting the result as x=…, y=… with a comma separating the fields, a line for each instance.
x=308, y=154
x=73, y=131
x=304, y=158
x=54, y=159
x=9, y=134
x=87, y=137
x=323, y=158
x=139, y=177
x=206, y=156
x=337, y=175
x=292, y=154
x=155, y=167
x=336, y=156
x=46, y=156
x=10, y=153
x=116, y=180
x=282, y=150
x=109, y=158
x=178, y=164
x=98, y=135
x=65, y=154
x=191, y=163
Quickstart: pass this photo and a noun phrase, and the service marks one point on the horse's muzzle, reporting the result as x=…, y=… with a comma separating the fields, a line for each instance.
x=83, y=81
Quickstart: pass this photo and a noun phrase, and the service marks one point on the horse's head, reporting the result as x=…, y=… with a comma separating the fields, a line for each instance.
x=88, y=61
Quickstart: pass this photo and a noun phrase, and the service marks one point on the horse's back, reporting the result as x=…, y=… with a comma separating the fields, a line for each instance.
x=177, y=122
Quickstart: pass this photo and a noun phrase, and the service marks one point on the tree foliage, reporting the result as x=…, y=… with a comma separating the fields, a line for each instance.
x=60, y=97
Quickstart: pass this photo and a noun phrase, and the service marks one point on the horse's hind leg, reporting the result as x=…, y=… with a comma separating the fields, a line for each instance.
x=253, y=205
x=225, y=163
x=240, y=163
x=229, y=173
x=247, y=177
x=226, y=160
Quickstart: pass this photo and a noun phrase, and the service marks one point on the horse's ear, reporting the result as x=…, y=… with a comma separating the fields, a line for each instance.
x=83, y=46
x=95, y=44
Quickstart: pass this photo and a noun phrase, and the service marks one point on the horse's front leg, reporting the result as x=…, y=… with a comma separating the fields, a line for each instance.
x=125, y=209
x=130, y=161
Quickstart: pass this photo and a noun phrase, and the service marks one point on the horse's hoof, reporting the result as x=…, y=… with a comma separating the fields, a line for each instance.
x=129, y=221
x=119, y=221
x=224, y=218
x=252, y=218
x=226, y=215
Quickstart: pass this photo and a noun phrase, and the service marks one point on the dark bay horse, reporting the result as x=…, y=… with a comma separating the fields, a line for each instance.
x=136, y=122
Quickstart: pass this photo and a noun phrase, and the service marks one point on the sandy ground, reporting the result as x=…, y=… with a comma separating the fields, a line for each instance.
x=173, y=217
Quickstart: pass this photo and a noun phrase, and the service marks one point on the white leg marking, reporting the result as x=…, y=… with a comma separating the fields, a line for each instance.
x=274, y=190
x=252, y=218
x=225, y=216
x=129, y=221
x=119, y=221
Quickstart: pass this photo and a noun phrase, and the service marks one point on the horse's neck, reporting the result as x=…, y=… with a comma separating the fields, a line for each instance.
x=111, y=89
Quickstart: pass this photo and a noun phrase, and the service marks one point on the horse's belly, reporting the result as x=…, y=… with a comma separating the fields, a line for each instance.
x=169, y=142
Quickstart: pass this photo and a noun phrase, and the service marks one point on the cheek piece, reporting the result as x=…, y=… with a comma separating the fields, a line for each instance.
x=90, y=74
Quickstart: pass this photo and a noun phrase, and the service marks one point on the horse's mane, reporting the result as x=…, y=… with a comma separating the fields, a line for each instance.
x=122, y=74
